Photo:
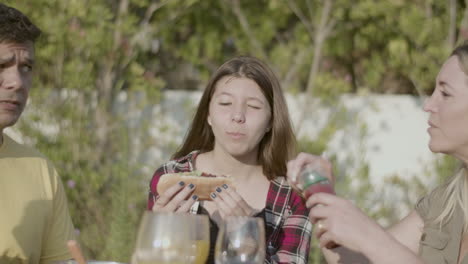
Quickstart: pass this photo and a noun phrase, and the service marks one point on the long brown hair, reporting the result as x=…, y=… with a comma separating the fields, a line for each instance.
x=277, y=146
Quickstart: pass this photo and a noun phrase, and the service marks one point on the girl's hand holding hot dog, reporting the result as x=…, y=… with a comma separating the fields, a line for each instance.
x=177, y=198
x=230, y=203
x=181, y=190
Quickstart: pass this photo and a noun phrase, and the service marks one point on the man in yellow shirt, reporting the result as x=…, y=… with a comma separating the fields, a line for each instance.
x=34, y=219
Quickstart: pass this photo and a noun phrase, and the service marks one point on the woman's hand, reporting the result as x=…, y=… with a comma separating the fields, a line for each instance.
x=338, y=221
x=230, y=203
x=295, y=166
x=176, y=199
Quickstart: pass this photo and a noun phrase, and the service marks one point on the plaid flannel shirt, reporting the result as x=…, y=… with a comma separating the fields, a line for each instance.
x=287, y=224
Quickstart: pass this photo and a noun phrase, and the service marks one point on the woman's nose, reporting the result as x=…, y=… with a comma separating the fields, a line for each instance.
x=430, y=105
x=238, y=117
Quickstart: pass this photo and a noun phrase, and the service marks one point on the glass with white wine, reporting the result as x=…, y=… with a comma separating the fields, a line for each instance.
x=172, y=238
x=200, y=240
x=241, y=240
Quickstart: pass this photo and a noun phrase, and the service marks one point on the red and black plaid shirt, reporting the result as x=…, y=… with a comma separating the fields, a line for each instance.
x=286, y=216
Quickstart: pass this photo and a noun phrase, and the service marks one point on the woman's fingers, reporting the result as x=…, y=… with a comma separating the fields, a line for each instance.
x=317, y=213
x=302, y=160
x=234, y=199
x=333, y=216
x=323, y=199
x=230, y=202
x=325, y=240
x=180, y=197
x=294, y=166
x=186, y=205
x=324, y=233
x=168, y=194
x=174, y=197
x=320, y=228
x=223, y=207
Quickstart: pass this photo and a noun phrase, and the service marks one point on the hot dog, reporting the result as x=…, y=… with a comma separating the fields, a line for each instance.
x=204, y=183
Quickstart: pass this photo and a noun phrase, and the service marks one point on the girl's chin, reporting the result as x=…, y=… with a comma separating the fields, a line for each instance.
x=239, y=153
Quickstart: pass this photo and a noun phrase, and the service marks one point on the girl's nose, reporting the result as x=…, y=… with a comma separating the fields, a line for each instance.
x=238, y=117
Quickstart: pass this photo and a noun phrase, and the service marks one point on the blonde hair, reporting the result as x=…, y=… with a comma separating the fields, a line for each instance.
x=456, y=189
x=456, y=196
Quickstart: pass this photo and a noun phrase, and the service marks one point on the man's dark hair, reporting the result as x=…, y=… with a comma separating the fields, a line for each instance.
x=16, y=27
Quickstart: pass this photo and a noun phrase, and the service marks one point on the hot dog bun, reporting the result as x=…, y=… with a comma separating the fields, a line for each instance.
x=204, y=183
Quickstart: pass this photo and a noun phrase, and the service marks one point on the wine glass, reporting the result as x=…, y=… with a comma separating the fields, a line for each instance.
x=200, y=238
x=169, y=238
x=241, y=240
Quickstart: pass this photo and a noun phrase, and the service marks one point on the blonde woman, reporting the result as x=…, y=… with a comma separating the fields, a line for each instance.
x=436, y=231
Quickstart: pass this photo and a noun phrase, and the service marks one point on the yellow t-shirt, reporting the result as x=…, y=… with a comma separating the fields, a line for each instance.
x=34, y=219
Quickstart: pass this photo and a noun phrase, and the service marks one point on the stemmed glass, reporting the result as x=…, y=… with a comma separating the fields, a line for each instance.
x=241, y=240
x=171, y=238
x=200, y=238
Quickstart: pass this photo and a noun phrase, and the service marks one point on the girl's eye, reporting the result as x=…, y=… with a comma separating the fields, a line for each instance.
x=224, y=103
x=254, y=106
x=444, y=94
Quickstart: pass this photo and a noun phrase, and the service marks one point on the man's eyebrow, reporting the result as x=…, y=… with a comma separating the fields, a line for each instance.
x=7, y=58
x=30, y=61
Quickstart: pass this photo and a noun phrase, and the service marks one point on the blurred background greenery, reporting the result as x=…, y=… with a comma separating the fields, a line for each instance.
x=92, y=50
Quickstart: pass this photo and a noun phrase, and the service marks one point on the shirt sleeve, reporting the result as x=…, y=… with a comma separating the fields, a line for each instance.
x=294, y=241
x=60, y=227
